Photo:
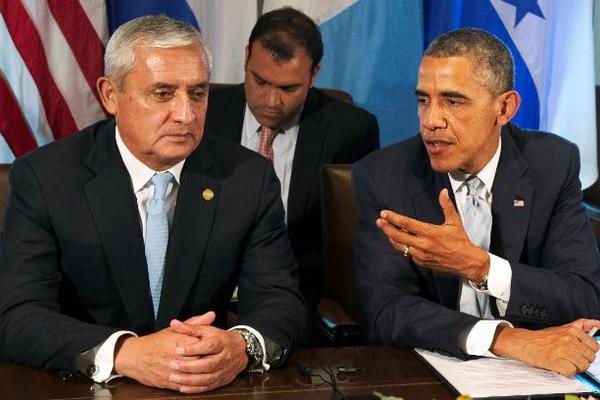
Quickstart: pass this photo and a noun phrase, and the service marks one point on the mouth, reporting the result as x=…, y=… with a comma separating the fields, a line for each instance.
x=436, y=146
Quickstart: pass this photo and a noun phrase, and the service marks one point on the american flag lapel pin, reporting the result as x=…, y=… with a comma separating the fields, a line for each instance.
x=518, y=203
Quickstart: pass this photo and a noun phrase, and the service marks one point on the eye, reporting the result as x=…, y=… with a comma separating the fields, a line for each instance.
x=198, y=95
x=423, y=101
x=162, y=94
x=259, y=81
x=453, y=101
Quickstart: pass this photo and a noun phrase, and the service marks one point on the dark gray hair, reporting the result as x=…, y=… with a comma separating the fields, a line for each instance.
x=494, y=64
x=148, y=31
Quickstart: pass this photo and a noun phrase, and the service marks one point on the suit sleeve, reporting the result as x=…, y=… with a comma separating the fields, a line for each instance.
x=392, y=289
x=565, y=283
x=32, y=328
x=269, y=296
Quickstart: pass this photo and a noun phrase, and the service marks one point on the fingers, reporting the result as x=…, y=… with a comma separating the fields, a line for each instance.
x=585, y=324
x=403, y=223
x=205, y=319
x=208, y=344
x=451, y=216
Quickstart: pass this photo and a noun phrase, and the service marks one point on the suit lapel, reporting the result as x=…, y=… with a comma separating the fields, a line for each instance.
x=307, y=156
x=511, y=202
x=192, y=223
x=427, y=208
x=114, y=208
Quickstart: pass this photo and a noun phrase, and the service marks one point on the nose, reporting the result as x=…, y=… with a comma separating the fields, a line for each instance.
x=273, y=97
x=182, y=109
x=432, y=117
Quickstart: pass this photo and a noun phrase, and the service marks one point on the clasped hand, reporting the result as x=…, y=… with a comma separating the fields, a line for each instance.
x=190, y=356
x=443, y=247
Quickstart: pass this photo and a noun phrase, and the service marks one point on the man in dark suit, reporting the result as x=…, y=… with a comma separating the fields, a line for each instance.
x=310, y=127
x=110, y=270
x=473, y=236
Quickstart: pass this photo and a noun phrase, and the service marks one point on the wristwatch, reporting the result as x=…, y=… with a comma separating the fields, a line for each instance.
x=253, y=350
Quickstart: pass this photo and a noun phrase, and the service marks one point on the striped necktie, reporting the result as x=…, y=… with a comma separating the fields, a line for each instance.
x=477, y=220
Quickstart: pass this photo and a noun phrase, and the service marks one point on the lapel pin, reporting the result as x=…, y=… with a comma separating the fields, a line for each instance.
x=518, y=203
x=208, y=194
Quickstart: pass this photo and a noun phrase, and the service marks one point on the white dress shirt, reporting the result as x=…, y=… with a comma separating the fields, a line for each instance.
x=284, y=146
x=140, y=175
x=480, y=337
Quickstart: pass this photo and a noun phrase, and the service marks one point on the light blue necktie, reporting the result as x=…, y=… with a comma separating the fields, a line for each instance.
x=477, y=219
x=157, y=235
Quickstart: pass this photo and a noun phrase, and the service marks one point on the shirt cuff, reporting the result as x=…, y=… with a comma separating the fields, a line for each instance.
x=499, y=278
x=481, y=336
x=105, y=358
x=261, y=340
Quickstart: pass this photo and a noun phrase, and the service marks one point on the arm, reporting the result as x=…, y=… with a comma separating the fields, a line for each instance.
x=398, y=296
x=34, y=330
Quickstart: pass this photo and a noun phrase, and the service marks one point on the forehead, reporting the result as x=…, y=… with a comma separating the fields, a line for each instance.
x=279, y=72
x=174, y=63
x=449, y=73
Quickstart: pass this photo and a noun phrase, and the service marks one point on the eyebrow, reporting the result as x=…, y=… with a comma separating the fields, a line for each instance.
x=163, y=85
x=290, y=86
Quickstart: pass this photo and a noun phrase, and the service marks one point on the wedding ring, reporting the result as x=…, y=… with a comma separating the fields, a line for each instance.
x=405, y=253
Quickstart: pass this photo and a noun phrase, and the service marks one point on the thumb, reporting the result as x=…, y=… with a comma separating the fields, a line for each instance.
x=451, y=216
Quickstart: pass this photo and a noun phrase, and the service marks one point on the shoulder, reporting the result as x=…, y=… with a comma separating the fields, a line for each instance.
x=330, y=107
x=68, y=153
x=228, y=157
x=541, y=150
x=223, y=94
x=402, y=157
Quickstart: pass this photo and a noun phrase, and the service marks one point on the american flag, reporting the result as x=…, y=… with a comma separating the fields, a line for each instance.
x=51, y=54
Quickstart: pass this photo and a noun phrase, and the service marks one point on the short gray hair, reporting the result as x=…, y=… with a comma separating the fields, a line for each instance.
x=149, y=31
x=494, y=64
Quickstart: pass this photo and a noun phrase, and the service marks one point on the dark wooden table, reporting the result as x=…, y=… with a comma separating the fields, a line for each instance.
x=388, y=370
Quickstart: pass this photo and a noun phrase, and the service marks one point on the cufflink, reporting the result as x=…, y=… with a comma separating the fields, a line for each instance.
x=91, y=370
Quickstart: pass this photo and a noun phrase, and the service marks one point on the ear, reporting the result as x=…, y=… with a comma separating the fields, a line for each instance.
x=508, y=104
x=313, y=74
x=108, y=94
x=246, y=56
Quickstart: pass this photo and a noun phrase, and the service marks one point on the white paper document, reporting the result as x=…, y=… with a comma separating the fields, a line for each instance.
x=493, y=377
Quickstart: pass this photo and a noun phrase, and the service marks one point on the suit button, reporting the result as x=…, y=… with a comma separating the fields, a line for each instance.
x=543, y=313
x=524, y=309
x=92, y=370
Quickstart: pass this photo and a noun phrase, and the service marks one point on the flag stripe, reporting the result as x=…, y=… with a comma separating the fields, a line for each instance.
x=24, y=89
x=81, y=101
x=15, y=130
x=82, y=38
x=96, y=13
x=28, y=42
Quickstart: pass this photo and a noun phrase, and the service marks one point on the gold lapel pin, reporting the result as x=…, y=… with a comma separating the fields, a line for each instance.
x=208, y=194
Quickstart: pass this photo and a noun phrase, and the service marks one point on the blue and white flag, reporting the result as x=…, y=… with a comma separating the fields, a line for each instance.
x=225, y=26
x=552, y=44
x=372, y=51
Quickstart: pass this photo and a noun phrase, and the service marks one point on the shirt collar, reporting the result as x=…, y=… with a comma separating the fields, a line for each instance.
x=139, y=172
x=487, y=173
x=253, y=125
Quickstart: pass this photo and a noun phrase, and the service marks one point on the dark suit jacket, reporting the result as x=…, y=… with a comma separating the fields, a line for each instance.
x=548, y=242
x=73, y=268
x=330, y=132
